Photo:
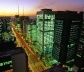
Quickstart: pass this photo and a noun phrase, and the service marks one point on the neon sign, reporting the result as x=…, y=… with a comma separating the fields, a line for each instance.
x=5, y=63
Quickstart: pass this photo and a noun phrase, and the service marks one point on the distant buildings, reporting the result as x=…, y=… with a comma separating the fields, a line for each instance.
x=24, y=21
x=17, y=23
x=6, y=36
x=10, y=55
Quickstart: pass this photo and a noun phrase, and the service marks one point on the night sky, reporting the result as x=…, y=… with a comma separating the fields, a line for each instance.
x=10, y=7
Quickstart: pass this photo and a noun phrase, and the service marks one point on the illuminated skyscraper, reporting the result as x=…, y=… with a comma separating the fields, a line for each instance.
x=79, y=60
x=17, y=23
x=31, y=31
x=45, y=31
x=28, y=32
x=66, y=35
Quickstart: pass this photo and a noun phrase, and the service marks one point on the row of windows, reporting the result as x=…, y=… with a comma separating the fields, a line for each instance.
x=40, y=16
x=48, y=39
x=56, y=51
x=48, y=24
x=59, y=21
x=46, y=16
x=70, y=50
x=48, y=34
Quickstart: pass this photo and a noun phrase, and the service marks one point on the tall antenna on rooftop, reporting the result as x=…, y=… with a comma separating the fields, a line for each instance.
x=18, y=7
x=23, y=10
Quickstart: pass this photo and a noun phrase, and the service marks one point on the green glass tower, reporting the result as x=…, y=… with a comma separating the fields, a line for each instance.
x=33, y=36
x=31, y=31
x=45, y=31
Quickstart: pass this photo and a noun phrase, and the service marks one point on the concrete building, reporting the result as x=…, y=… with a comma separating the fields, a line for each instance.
x=79, y=59
x=66, y=33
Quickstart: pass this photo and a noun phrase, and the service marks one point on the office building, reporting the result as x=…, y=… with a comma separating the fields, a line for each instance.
x=17, y=19
x=6, y=22
x=24, y=20
x=45, y=31
x=66, y=33
x=1, y=28
x=4, y=27
x=79, y=59
x=31, y=31
x=6, y=36
x=17, y=23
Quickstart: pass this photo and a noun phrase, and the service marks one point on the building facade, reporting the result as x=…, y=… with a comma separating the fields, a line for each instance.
x=79, y=59
x=66, y=35
x=45, y=31
x=31, y=31
x=1, y=28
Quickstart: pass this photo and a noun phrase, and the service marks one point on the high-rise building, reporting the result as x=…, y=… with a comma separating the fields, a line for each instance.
x=4, y=26
x=1, y=28
x=24, y=20
x=79, y=59
x=45, y=31
x=6, y=36
x=17, y=23
x=31, y=31
x=6, y=22
x=66, y=33
x=17, y=19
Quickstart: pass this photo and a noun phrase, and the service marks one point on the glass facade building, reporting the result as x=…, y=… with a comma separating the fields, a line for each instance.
x=79, y=59
x=31, y=32
x=66, y=33
x=45, y=31
x=57, y=38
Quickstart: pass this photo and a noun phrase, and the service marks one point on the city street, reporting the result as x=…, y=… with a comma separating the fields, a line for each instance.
x=34, y=63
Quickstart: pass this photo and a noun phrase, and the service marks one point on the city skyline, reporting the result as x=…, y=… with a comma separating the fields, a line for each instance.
x=30, y=7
